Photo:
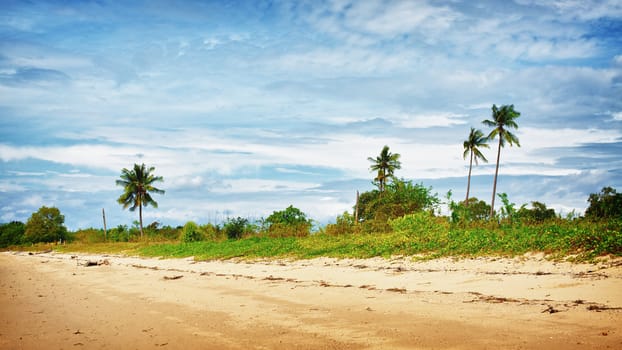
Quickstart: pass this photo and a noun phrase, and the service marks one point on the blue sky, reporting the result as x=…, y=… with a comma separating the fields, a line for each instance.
x=246, y=107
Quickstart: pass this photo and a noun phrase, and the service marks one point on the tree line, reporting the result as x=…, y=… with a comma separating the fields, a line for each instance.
x=372, y=213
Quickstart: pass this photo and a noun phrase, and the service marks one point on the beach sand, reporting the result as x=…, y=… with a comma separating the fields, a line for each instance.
x=54, y=301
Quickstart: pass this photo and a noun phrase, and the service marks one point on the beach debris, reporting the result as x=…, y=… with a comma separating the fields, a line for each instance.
x=272, y=278
x=599, y=308
x=550, y=309
x=176, y=277
x=95, y=262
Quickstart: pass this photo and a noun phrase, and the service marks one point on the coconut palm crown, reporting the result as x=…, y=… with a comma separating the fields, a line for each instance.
x=385, y=164
x=137, y=185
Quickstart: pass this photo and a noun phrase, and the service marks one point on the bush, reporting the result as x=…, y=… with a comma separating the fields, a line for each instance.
x=289, y=222
x=605, y=205
x=213, y=232
x=46, y=225
x=344, y=224
x=11, y=233
x=89, y=235
x=420, y=224
x=401, y=197
x=476, y=210
x=191, y=233
x=119, y=234
x=235, y=228
x=538, y=213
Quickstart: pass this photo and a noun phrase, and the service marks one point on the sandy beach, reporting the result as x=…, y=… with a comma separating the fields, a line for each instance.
x=54, y=301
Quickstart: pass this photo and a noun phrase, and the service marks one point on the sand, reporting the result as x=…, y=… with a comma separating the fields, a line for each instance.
x=54, y=301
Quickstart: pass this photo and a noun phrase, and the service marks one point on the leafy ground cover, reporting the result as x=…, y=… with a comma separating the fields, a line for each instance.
x=419, y=234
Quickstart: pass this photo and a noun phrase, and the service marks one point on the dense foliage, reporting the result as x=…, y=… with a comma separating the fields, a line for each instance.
x=288, y=222
x=406, y=211
x=191, y=233
x=235, y=228
x=45, y=225
x=605, y=205
x=400, y=198
x=11, y=233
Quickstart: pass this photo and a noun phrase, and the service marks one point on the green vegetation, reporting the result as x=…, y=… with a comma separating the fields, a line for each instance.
x=235, y=228
x=191, y=233
x=46, y=225
x=605, y=205
x=421, y=234
x=288, y=222
x=466, y=232
x=137, y=185
x=11, y=233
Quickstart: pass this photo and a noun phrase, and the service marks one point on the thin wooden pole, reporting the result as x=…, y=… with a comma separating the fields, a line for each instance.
x=356, y=209
x=104, y=216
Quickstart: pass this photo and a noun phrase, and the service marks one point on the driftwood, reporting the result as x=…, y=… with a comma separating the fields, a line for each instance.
x=173, y=277
x=95, y=263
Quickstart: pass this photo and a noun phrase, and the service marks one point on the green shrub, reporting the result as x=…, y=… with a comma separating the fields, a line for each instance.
x=344, y=224
x=89, y=235
x=11, y=233
x=213, y=232
x=605, y=205
x=400, y=197
x=191, y=233
x=235, y=228
x=290, y=222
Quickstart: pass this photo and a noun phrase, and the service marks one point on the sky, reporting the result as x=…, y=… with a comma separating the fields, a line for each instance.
x=247, y=107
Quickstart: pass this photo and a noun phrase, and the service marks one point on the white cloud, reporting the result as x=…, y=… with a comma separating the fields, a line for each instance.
x=430, y=120
x=581, y=9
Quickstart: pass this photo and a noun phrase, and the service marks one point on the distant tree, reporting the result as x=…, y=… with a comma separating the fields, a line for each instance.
x=235, y=228
x=538, y=212
x=287, y=222
x=605, y=205
x=401, y=197
x=385, y=165
x=502, y=119
x=471, y=146
x=137, y=185
x=11, y=233
x=475, y=210
x=45, y=225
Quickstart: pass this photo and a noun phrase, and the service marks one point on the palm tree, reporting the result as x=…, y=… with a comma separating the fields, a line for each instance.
x=137, y=184
x=471, y=145
x=386, y=163
x=502, y=118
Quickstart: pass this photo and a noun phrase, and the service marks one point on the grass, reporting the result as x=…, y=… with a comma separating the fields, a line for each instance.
x=418, y=236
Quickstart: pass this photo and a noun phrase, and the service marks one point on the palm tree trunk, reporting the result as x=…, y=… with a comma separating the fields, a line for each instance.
x=466, y=201
x=140, y=217
x=494, y=186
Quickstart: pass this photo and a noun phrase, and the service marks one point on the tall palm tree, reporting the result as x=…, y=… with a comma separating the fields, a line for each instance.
x=502, y=118
x=137, y=184
x=385, y=164
x=471, y=145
